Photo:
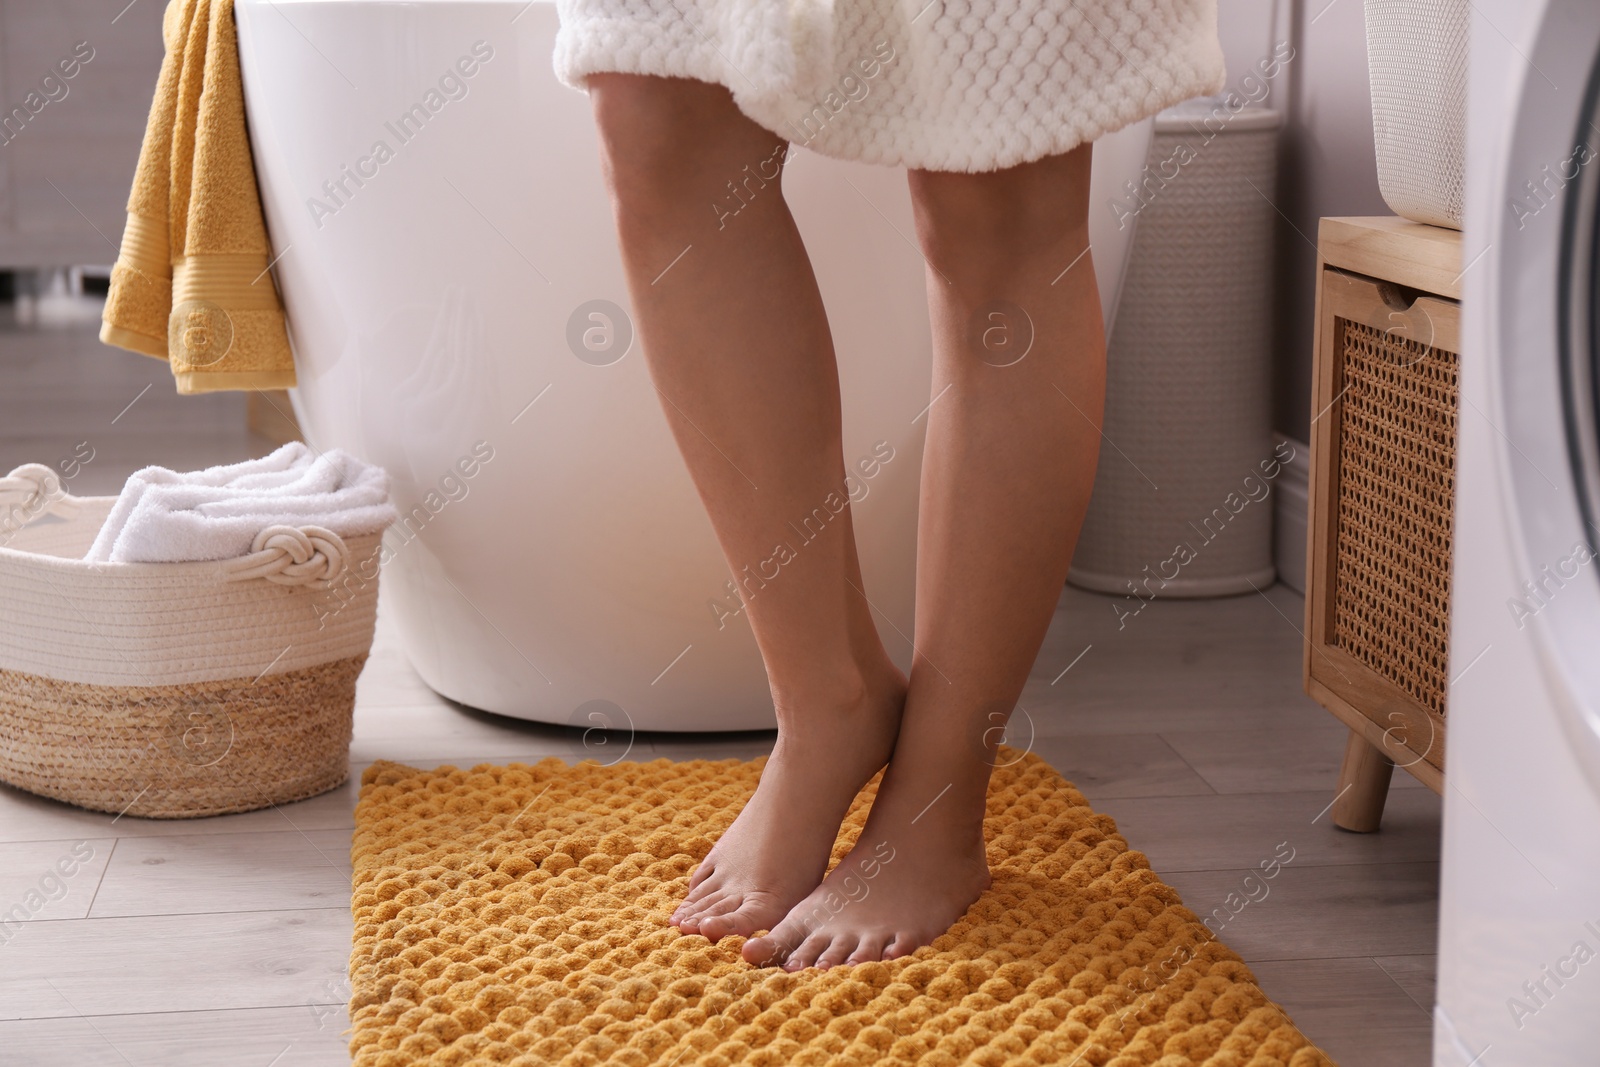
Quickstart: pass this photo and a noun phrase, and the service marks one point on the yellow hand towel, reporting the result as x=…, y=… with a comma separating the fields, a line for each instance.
x=191, y=283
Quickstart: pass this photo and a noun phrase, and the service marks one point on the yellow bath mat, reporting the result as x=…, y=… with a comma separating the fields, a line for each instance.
x=518, y=915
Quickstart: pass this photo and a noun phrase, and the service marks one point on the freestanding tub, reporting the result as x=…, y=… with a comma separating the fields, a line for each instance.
x=442, y=240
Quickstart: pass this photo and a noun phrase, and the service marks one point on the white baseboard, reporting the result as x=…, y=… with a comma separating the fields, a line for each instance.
x=1289, y=516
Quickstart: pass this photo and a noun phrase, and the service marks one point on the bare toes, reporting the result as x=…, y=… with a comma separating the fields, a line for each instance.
x=697, y=897
x=755, y=912
x=838, y=952
x=869, y=949
x=705, y=870
x=902, y=945
x=724, y=922
x=806, y=955
x=777, y=947
x=691, y=912
x=761, y=952
x=681, y=912
x=714, y=921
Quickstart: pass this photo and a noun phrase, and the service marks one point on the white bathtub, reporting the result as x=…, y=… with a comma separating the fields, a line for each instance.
x=557, y=564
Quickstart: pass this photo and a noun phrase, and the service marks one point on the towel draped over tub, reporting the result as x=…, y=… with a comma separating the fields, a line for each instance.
x=191, y=283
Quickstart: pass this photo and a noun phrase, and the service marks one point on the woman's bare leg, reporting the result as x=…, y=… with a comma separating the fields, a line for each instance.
x=738, y=346
x=1006, y=476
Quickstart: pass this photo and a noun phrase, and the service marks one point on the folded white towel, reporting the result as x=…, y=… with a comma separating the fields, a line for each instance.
x=164, y=516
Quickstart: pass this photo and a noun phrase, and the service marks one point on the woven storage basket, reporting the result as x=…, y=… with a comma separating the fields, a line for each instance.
x=1188, y=371
x=173, y=690
x=1417, y=63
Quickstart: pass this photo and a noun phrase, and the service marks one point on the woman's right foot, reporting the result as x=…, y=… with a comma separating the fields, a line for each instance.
x=777, y=850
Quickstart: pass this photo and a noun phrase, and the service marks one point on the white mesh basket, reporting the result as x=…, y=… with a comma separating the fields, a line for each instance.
x=1417, y=63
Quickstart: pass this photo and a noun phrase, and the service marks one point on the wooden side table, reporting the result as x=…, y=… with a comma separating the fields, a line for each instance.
x=1383, y=421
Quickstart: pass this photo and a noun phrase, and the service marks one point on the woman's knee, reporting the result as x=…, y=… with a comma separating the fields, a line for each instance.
x=967, y=222
x=667, y=142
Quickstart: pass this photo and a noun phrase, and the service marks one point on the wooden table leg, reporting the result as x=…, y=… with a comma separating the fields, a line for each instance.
x=1363, y=786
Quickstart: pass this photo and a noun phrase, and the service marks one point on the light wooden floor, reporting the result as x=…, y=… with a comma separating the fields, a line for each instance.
x=225, y=940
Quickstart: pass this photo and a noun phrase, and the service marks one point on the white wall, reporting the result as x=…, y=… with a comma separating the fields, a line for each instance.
x=1327, y=164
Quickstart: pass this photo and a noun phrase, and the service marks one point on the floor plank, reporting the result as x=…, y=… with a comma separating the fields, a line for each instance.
x=304, y=1036
x=279, y=870
x=1274, y=759
x=174, y=963
x=1104, y=766
x=1417, y=975
x=1365, y=1020
x=1208, y=833
x=446, y=733
x=1246, y=649
x=1356, y=1005
x=1317, y=912
x=50, y=879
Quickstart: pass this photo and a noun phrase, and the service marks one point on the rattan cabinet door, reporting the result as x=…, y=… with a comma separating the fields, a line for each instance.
x=1383, y=447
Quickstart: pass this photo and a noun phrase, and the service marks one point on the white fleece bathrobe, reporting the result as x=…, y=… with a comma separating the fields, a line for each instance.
x=960, y=85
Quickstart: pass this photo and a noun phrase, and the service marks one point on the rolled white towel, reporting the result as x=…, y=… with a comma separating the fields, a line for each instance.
x=164, y=516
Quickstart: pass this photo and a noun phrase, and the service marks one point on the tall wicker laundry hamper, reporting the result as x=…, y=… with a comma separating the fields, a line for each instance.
x=173, y=690
x=1181, y=503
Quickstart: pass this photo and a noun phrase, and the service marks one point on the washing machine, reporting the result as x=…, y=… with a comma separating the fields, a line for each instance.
x=1519, y=937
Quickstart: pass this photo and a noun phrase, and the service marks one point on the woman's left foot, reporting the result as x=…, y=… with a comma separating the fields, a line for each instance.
x=917, y=867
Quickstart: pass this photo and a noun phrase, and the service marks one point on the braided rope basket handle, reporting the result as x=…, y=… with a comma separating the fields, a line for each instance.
x=287, y=555
x=293, y=555
x=32, y=490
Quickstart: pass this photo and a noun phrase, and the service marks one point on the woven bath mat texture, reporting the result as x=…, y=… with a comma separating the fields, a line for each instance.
x=518, y=915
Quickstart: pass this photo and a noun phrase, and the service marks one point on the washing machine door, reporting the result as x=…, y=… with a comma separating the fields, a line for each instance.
x=1548, y=301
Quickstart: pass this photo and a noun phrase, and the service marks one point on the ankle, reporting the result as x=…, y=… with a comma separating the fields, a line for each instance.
x=848, y=693
x=935, y=801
